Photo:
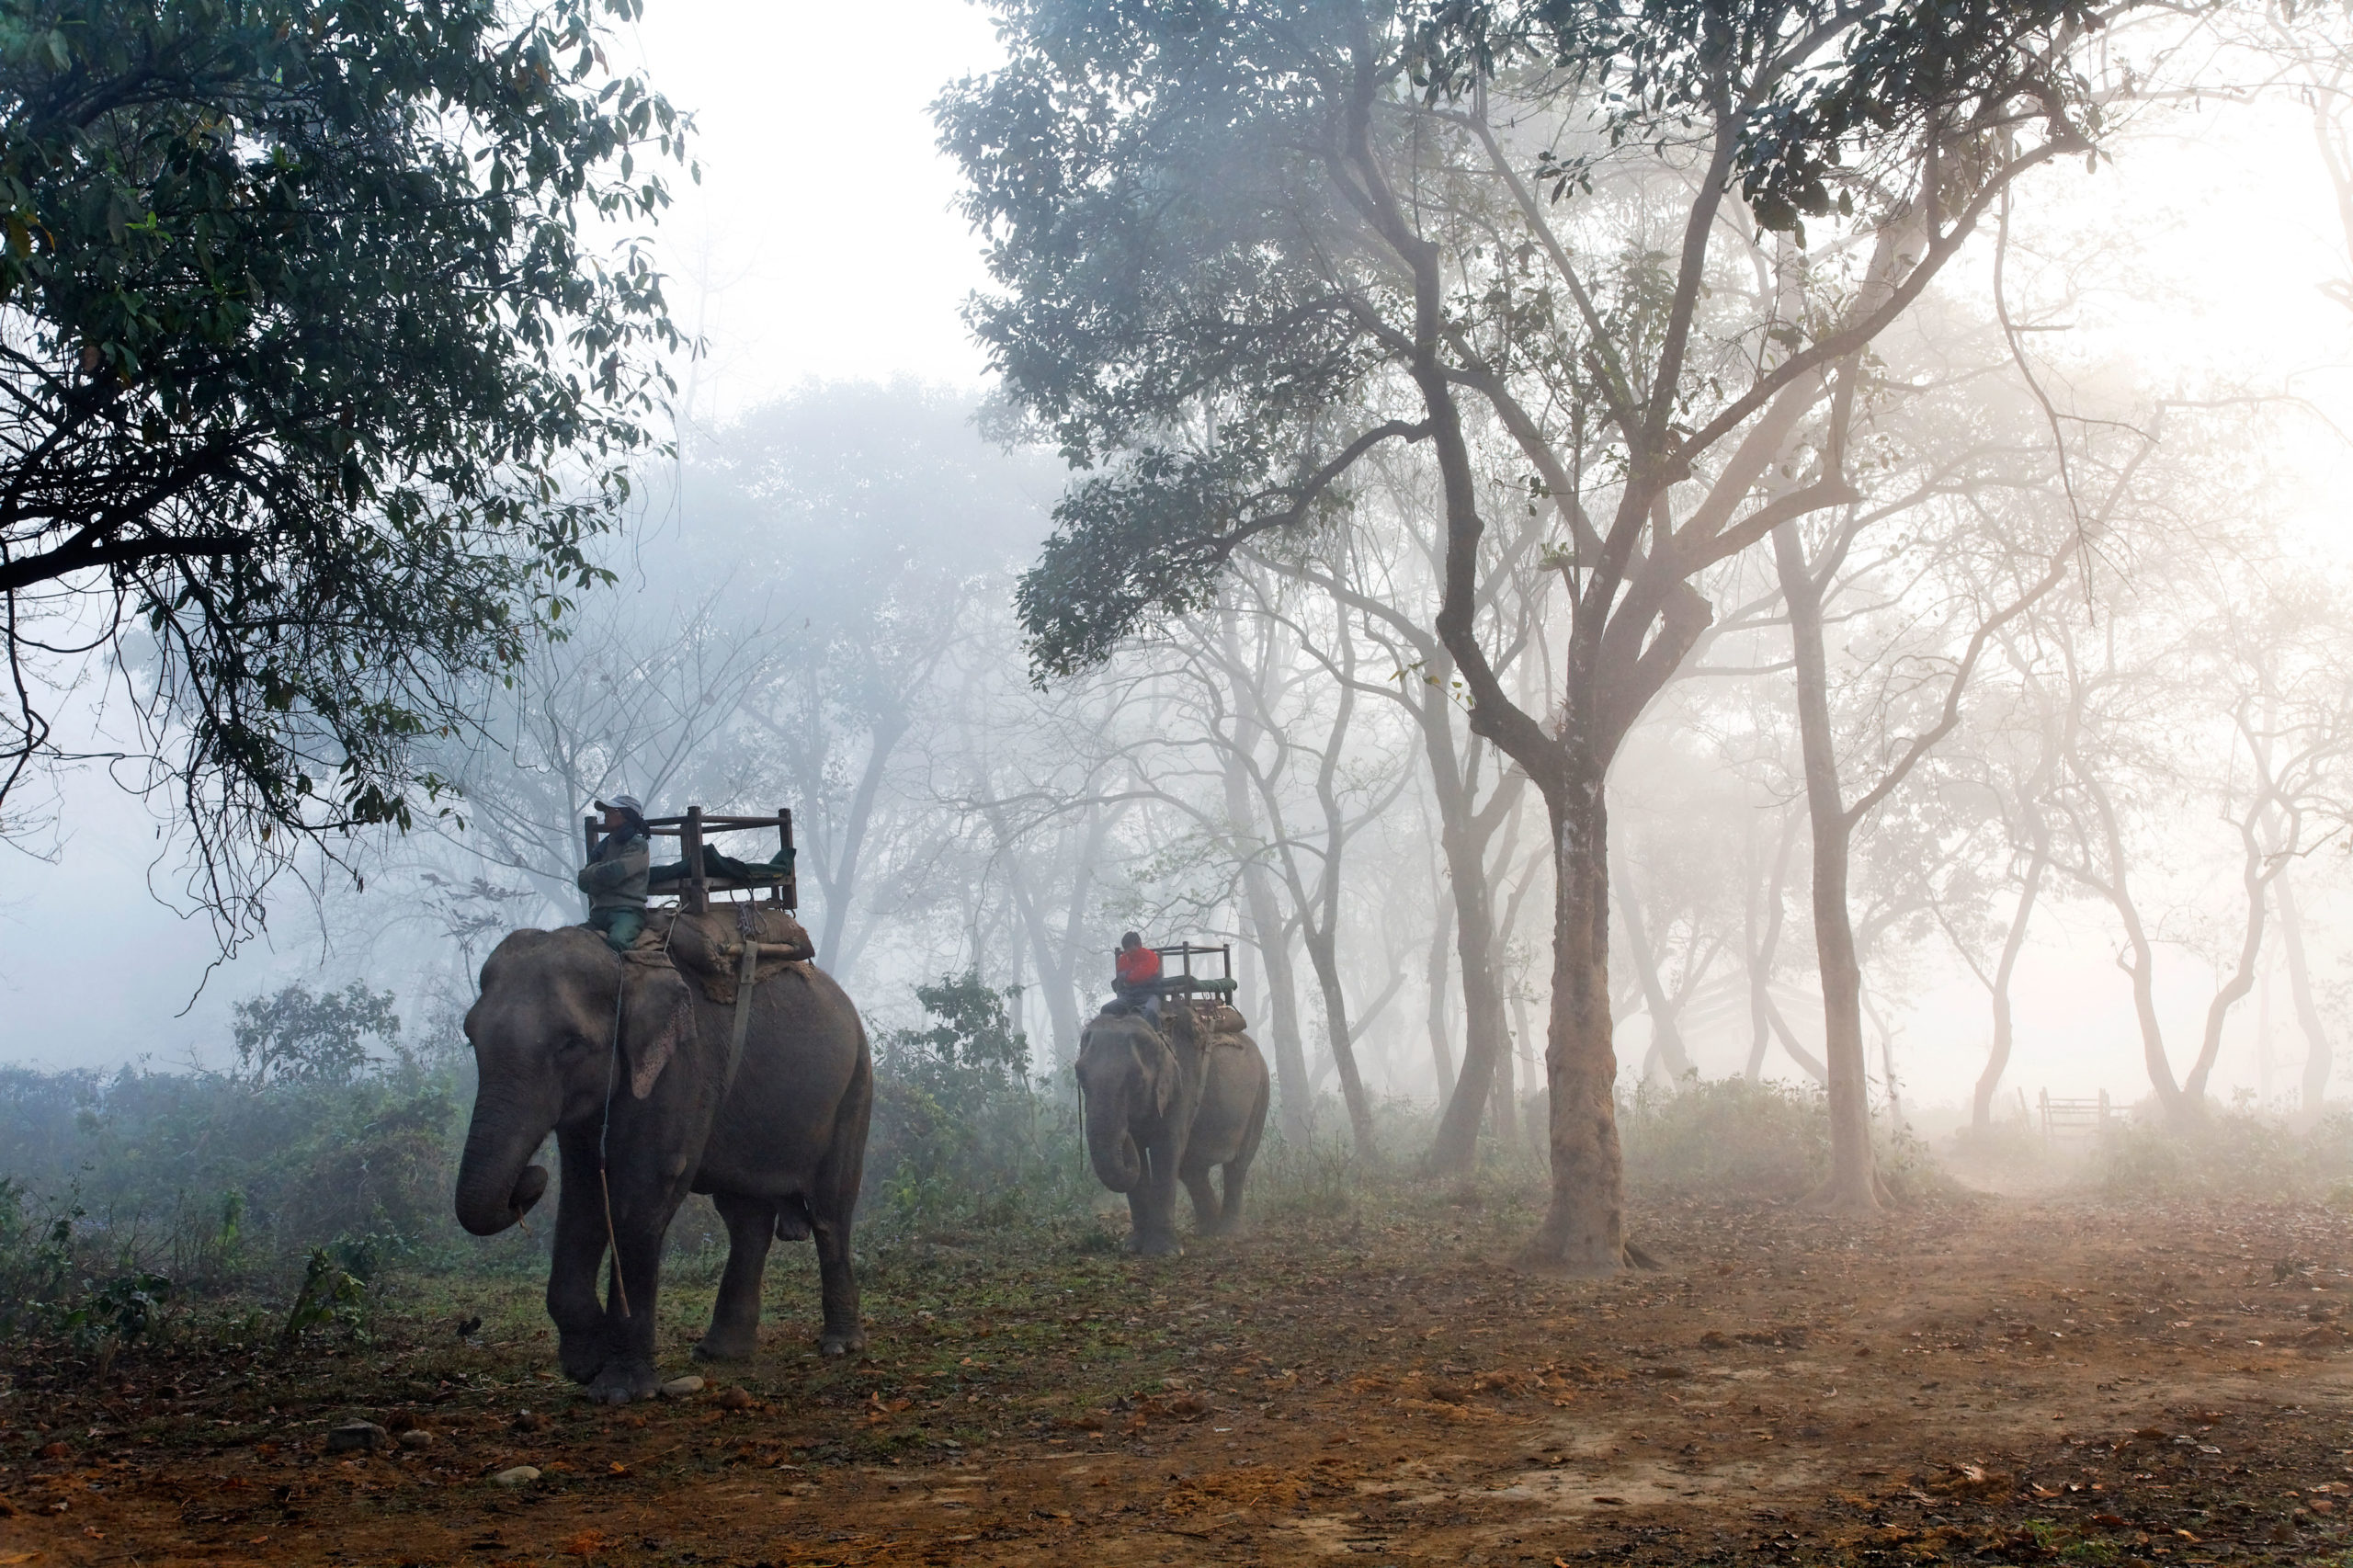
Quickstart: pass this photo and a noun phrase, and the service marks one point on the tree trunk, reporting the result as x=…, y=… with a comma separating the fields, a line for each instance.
x=1997, y=1059
x=1464, y=838
x=1322, y=935
x=838, y=881
x=1852, y=1187
x=1667, y=1040
x=1293, y=1098
x=2255, y=879
x=1502, y=1102
x=1583, y=1228
x=1322, y=954
x=1759, y=948
x=1269, y=932
x=1808, y=1063
x=1886, y=1063
x=2179, y=1108
x=2317, y=1059
x=1442, y=1055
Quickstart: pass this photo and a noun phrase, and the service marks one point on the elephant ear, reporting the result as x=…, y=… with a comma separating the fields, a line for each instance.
x=1159, y=1065
x=659, y=1019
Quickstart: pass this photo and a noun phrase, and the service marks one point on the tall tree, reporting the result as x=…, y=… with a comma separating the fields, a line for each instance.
x=1239, y=251
x=315, y=392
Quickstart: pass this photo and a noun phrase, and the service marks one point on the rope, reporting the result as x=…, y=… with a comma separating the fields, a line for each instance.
x=612, y=1074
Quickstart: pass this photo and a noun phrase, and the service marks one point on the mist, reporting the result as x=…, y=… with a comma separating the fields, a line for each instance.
x=1719, y=711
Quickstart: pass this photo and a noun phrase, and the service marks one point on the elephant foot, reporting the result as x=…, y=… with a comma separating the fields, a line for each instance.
x=841, y=1341
x=727, y=1344
x=1154, y=1246
x=620, y=1383
x=582, y=1357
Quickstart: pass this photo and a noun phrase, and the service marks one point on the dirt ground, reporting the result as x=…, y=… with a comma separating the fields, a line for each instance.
x=1994, y=1379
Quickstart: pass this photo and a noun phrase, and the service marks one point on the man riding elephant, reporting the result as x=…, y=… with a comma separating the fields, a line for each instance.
x=1135, y=978
x=616, y=876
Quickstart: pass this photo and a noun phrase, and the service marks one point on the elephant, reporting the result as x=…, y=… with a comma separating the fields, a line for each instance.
x=1167, y=1104
x=643, y=1120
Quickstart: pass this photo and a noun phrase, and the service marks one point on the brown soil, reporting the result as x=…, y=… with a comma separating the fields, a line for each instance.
x=1984, y=1379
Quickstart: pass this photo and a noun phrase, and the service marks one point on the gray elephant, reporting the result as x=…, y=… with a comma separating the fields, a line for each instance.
x=1169, y=1105
x=779, y=1148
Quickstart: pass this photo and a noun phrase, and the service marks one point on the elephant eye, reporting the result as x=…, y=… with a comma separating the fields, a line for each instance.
x=572, y=1044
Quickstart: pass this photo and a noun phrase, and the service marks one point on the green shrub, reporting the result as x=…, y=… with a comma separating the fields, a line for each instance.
x=2227, y=1153
x=123, y=1195
x=1725, y=1136
x=961, y=1137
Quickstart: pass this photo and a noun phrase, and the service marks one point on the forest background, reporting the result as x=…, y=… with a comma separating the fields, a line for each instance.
x=816, y=606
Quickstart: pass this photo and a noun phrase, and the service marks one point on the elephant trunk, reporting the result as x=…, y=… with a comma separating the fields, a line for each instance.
x=1110, y=1146
x=496, y=1184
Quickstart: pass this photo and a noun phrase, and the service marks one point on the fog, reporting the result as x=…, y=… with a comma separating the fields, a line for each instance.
x=1714, y=642
x=814, y=610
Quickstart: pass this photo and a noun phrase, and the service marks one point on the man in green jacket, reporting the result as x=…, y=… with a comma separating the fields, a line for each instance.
x=615, y=877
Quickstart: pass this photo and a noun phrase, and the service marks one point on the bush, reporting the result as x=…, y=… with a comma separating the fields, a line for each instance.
x=960, y=1136
x=1712, y=1137
x=123, y=1194
x=2229, y=1153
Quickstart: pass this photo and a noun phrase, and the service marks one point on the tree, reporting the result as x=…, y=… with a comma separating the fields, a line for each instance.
x=878, y=520
x=2237, y=700
x=296, y=1037
x=315, y=393
x=1399, y=583
x=1240, y=251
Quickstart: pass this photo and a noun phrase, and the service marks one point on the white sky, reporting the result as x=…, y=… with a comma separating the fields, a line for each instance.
x=821, y=245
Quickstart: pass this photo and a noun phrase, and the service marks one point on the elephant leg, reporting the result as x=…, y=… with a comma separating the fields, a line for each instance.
x=577, y=1249
x=831, y=1207
x=1237, y=1169
x=735, y=1331
x=645, y=1198
x=1153, y=1208
x=634, y=1278
x=1209, y=1218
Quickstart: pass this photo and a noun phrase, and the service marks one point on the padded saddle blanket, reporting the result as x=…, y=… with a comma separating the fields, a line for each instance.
x=1223, y=1020
x=709, y=948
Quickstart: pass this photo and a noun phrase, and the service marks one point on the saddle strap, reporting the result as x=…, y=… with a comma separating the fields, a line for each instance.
x=746, y=967
x=736, y=1041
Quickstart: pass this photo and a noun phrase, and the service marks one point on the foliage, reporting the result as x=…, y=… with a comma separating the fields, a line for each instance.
x=1203, y=268
x=959, y=1135
x=221, y=1179
x=294, y=1036
x=56, y=1284
x=331, y=1296
x=315, y=392
x=36, y=1256
x=1717, y=1135
x=2238, y=1152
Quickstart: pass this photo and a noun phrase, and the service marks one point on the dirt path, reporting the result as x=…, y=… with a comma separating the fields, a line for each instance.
x=1990, y=1380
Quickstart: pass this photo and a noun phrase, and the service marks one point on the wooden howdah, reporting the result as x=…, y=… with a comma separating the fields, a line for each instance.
x=691, y=830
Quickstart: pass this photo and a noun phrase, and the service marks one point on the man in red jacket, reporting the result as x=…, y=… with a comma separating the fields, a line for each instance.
x=1135, y=977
